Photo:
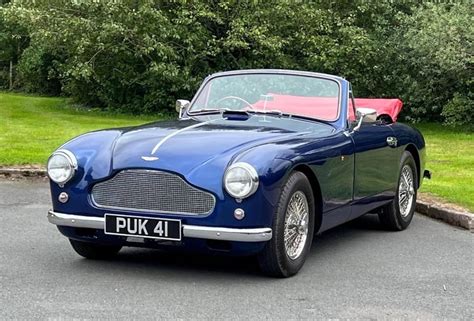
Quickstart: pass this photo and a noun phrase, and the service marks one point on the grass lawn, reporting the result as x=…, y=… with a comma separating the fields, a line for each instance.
x=450, y=158
x=32, y=127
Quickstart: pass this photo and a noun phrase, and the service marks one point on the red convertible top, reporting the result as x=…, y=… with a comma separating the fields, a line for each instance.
x=327, y=106
x=390, y=107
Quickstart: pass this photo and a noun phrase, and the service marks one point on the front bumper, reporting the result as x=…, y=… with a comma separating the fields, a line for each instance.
x=192, y=231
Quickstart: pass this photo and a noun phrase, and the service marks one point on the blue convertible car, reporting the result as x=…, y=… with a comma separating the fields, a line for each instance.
x=257, y=164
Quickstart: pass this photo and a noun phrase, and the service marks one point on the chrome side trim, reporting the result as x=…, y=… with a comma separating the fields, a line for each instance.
x=193, y=231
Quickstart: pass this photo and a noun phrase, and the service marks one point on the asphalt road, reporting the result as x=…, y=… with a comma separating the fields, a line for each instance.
x=353, y=271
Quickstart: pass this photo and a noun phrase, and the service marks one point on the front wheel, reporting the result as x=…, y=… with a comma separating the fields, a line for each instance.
x=293, y=228
x=397, y=215
x=94, y=251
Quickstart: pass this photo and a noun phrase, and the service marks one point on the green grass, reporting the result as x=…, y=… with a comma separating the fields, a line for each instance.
x=450, y=158
x=32, y=127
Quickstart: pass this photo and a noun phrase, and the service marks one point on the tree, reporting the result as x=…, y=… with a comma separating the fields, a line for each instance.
x=14, y=39
x=140, y=56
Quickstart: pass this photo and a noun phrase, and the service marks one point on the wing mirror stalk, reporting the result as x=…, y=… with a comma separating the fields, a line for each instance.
x=364, y=115
x=182, y=106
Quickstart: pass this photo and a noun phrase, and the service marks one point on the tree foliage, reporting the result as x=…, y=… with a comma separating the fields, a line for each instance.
x=140, y=56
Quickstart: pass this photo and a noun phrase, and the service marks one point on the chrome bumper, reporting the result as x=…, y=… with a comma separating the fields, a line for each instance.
x=194, y=231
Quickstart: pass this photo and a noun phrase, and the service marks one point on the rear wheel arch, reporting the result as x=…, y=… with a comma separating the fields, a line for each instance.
x=416, y=156
x=315, y=187
x=394, y=216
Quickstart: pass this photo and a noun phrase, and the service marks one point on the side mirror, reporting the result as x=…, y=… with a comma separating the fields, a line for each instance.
x=365, y=115
x=181, y=106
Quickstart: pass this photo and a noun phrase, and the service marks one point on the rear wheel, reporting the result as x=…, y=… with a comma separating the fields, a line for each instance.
x=397, y=215
x=94, y=251
x=293, y=228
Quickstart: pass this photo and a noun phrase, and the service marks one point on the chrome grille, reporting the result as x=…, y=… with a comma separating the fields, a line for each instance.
x=151, y=190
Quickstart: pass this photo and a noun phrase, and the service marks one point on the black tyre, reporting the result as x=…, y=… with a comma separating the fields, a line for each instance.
x=397, y=215
x=95, y=251
x=293, y=229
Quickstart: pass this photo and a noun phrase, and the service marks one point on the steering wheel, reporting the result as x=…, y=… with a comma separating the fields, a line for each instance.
x=235, y=97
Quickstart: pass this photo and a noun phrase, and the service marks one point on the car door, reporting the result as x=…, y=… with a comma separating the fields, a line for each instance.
x=376, y=165
x=376, y=162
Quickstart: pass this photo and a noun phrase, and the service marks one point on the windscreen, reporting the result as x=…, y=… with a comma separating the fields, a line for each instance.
x=291, y=94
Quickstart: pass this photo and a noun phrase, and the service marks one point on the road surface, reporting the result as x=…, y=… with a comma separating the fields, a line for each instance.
x=353, y=271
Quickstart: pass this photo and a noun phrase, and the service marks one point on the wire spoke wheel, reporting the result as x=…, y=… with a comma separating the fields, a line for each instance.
x=398, y=213
x=406, y=191
x=296, y=225
x=293, y=227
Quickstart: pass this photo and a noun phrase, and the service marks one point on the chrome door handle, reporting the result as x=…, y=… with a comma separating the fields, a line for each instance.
x=392, y=141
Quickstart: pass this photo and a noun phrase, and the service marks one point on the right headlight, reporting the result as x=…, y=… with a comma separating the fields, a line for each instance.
x=62, y=166
x=241, y=180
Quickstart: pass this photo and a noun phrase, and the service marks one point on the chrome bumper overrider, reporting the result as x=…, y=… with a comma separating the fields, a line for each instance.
x=195, y=231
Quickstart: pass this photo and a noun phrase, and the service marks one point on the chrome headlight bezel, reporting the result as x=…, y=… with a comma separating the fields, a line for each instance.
x=70, y=168
x=251, y=176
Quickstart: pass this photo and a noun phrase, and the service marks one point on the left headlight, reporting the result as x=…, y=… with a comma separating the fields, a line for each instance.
x=241, y=180
x=62, y=166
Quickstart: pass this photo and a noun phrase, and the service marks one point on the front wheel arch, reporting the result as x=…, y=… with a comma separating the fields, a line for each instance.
x=316, y=188
x=275, y=260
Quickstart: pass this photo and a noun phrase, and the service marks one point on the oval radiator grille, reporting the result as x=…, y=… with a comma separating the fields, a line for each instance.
x=153, y=191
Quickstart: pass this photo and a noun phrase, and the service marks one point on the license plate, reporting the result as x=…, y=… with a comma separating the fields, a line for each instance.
x=147, y=227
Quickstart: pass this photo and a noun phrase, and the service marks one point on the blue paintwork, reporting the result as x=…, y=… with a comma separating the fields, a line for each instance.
x=356, y=172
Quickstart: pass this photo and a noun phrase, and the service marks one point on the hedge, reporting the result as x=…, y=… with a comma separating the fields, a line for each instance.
x=139, y=56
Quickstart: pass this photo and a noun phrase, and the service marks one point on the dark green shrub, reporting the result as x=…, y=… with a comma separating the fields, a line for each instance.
x=140, y=56
x=460, y=111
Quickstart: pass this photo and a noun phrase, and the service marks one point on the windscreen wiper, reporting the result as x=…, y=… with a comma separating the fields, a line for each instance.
x=279, y=113
x=206, y=111
x=272, y=112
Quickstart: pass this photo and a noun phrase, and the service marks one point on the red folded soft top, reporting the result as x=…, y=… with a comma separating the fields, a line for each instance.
x=327, y=106
x=390, y=107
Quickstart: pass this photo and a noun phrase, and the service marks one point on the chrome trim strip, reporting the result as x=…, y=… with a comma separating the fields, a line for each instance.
x=166, y=138
x=193, y=231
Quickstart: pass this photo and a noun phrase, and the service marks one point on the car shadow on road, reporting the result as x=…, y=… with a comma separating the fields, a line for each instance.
x=177, y=264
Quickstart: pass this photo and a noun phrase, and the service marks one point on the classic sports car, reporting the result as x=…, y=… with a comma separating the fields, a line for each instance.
x=258, y=162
